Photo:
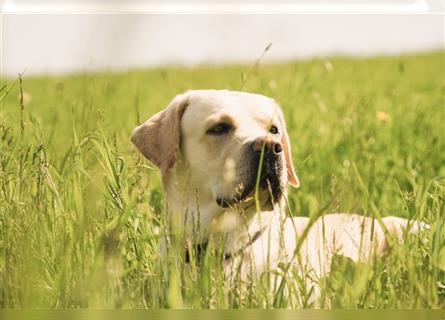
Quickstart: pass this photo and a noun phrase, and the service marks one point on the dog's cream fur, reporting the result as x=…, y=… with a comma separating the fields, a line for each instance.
x=198, y=168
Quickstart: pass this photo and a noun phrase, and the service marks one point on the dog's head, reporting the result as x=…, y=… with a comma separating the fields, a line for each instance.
x=223, y=145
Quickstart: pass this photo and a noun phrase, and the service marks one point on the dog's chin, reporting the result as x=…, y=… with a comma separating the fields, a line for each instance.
x=235, y=202
x=268, y=195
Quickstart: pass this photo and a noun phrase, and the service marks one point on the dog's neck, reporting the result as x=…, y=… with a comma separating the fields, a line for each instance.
x=195, y=213
x=240, y=229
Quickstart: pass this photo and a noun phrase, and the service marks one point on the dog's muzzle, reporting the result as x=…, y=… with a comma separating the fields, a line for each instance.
x=267, y=164
x=268, y=159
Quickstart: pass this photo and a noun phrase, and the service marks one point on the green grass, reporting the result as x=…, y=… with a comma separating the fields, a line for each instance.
x=81, y=212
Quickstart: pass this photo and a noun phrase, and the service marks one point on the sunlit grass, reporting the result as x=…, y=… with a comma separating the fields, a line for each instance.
x=81, y=212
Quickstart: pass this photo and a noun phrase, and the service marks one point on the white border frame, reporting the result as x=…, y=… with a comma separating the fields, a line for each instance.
x=417, y=6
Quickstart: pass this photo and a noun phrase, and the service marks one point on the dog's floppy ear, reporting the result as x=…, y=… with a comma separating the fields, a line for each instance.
x=291, y=175
x=158, y=138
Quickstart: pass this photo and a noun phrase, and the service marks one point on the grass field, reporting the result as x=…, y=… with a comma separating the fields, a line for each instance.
x=81, y=212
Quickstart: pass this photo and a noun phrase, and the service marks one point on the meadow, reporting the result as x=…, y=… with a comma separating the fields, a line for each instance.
x=81, y=211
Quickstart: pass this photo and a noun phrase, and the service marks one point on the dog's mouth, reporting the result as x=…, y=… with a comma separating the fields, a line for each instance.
x=237, y=204
x=236, y=201
x=269, y=186
x=244, y=195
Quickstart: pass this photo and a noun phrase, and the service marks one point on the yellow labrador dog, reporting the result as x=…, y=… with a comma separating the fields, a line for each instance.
x=225, y=161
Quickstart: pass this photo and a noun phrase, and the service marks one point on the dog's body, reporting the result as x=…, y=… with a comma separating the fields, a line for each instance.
x=225, y=162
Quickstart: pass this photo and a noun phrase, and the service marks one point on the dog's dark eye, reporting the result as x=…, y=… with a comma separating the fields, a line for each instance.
x=220, y=129
x=273, y=130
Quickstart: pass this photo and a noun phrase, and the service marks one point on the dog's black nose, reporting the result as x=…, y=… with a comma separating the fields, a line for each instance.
x=271, y=146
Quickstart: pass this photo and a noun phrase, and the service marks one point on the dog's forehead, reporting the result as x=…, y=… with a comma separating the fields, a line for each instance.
x=203, y=104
